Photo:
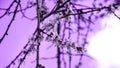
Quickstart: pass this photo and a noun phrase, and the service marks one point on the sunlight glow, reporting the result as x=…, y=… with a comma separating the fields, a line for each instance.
x=105, y=45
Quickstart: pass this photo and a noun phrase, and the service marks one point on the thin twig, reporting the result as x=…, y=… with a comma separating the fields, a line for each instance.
x=9, y=25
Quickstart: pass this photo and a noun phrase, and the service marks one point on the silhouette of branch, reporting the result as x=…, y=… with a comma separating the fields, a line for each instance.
x=8, y=9
x=115, y=15
x=62, y=9
x=89, y=10
x=69, y=49
x=14, y=15
x=58, y=49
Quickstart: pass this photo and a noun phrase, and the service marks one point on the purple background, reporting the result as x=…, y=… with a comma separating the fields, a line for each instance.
x=22, y=29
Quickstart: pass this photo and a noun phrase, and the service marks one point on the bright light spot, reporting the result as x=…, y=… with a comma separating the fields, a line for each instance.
x=105, y=46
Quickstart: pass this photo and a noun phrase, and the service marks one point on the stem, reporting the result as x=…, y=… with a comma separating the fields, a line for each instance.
x=58, y=49
x=38, y=33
